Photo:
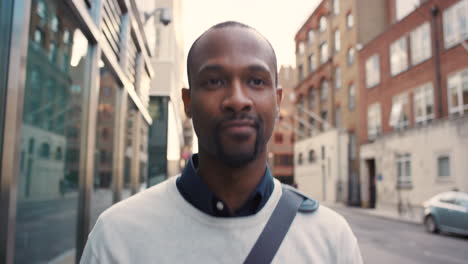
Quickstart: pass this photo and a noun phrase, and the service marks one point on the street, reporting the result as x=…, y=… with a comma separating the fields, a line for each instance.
x=389, y=241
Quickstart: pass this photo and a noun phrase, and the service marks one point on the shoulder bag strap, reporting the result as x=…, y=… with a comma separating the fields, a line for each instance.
x=275, y=229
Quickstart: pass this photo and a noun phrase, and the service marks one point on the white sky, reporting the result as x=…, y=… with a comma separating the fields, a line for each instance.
x=277, y=20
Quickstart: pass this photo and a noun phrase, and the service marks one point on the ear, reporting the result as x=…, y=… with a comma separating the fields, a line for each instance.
x=186, y=97
x=279, y=97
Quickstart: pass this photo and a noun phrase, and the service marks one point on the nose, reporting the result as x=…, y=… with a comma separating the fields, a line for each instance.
x=237, y=99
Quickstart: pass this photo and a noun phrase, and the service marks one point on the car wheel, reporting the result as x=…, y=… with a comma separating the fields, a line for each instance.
x=431, y=225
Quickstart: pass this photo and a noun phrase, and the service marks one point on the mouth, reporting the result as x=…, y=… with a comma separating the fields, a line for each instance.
x=239, y=127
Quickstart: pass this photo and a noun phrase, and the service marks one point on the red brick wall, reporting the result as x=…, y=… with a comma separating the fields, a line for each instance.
x=451, y=60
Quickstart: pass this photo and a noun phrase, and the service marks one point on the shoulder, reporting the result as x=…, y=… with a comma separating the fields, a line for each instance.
x=139, y=205
x=309, y=205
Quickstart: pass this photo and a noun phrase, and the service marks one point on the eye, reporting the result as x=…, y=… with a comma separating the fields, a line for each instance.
x=214, y=82
x=256, y=82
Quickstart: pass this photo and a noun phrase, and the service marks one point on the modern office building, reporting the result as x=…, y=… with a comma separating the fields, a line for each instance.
x=166, y=108
x=414, y=107
x=74, y=82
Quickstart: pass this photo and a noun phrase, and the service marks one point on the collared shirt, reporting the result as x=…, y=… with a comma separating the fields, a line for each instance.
x=196, y=192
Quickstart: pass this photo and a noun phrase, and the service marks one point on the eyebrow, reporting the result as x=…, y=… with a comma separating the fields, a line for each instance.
x=210, y=67
x=217, y=67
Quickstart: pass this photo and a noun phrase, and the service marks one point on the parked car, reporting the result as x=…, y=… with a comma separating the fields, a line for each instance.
x=447, y=212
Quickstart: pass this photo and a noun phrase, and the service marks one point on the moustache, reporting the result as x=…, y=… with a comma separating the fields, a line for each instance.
x=240, y=117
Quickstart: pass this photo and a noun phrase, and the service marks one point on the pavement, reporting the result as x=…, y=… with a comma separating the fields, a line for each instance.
x=413, y=215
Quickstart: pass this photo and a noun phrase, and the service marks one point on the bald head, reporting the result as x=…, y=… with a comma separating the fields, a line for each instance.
x=203, y=42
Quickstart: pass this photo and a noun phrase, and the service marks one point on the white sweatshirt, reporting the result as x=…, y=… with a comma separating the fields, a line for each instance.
x=159, y=226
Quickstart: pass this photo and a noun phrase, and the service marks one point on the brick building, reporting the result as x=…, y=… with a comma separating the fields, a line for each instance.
x=414, y=104
x=327, y=94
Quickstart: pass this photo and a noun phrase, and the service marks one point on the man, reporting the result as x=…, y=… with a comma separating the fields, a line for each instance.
x=215, y=211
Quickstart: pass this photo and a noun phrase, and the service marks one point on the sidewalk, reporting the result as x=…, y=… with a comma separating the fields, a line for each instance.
x=387, y=212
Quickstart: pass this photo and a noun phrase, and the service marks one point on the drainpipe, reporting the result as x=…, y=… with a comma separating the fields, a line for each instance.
x=437, y=71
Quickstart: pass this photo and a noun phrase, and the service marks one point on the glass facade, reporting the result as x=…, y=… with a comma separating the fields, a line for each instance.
x=75, y=120
x=47, y=191
x=103, y=181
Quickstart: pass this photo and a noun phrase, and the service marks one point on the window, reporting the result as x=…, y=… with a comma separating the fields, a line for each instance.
x=403, y=167
x=405, y=7
x=338, y=118
x=311, y=125
x=455, y=23
x=374, y=121
x=44, y=150
x=443, y=166
x=54, y=24
x=300, y=72
x=311, y=63
x=421, y=48
x=399, y=116
x=350, y=56
x=323, y=90
x=38, y=37
x=299, y=159
x=311, y=98
x=300, y=48
x=66, y=37
x=398, y=56
x=300, y=105
x=372, y=71
x=52, y=52
x=312, y=157
x=458, y=93
x=322, y=24
x=278, y=138
x=41, y=10
x=424, y=104
x=58, y=153
x=337, y=40
x=336, y=7
x=349, y=20
x=324, y=116
x=351, y=96
x=352, y=146
x=284, y=160
x=310, y=36
x=323, y=52
x=337, y=78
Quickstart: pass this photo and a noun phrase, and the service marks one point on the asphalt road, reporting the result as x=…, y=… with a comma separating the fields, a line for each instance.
x=389, y=241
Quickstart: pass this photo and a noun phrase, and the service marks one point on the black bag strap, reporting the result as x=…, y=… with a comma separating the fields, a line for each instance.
x=276, y=228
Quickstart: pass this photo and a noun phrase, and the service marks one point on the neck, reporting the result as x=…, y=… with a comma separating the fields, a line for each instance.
x=232, y=185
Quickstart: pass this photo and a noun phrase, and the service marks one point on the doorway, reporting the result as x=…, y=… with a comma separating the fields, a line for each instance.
x=372, y=182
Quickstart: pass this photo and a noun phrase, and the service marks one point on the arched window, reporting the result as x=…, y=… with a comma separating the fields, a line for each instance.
x=58, y=153
x=351, y=56
x=322, y=23
x=54, y=24
x=41, y=10
x=44, y=150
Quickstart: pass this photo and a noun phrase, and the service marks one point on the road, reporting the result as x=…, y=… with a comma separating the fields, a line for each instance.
x=389, y=241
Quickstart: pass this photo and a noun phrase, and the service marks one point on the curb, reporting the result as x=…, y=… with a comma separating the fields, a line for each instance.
x=362, y=211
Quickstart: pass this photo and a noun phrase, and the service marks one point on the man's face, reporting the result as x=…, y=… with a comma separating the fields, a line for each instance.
x=233, y=99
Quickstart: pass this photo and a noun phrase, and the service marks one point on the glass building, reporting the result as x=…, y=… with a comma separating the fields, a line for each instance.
x=74, y=121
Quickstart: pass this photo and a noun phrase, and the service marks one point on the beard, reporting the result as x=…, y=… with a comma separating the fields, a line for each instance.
x=240, y=159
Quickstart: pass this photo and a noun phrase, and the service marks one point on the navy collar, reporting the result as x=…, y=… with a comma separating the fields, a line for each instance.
x=192, y=187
